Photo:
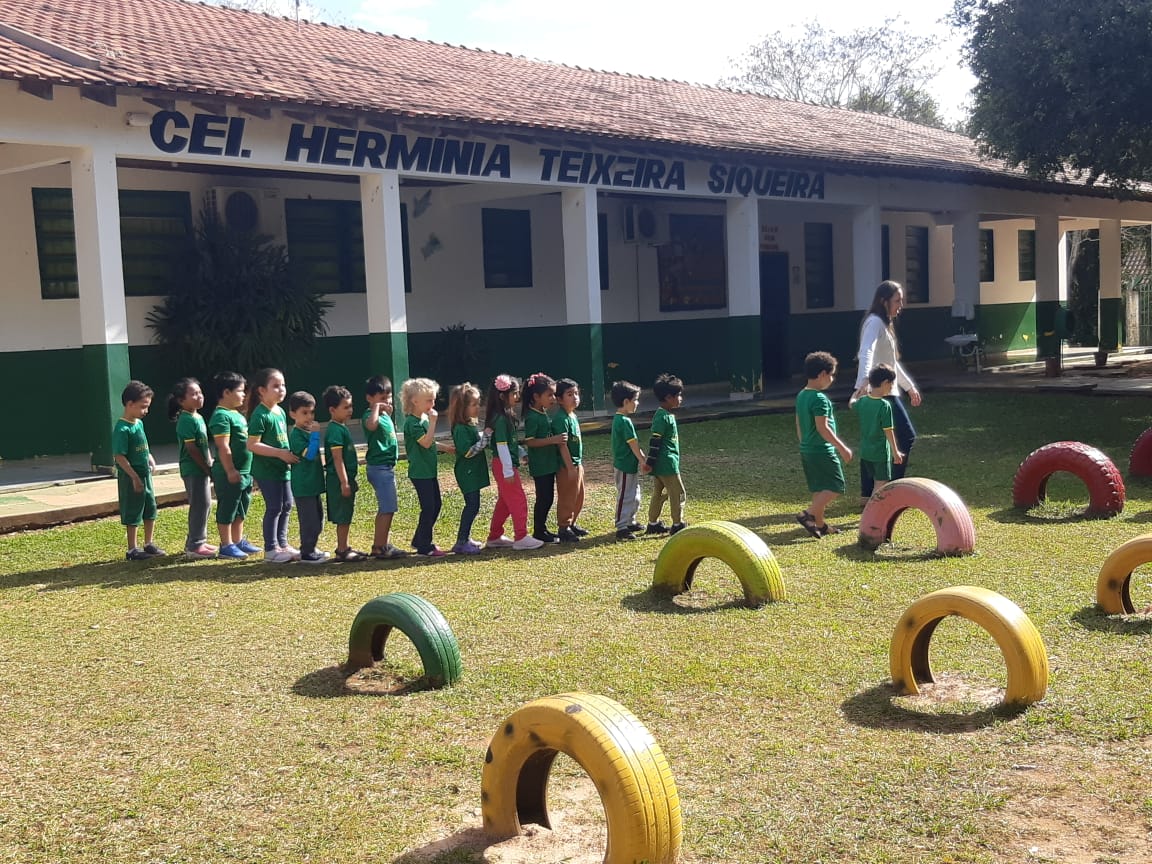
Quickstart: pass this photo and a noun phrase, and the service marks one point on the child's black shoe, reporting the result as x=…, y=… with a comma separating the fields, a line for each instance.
x=678, y=526
x=656, y=528
x=567, y=535
x=625, y=534
x=578, y=531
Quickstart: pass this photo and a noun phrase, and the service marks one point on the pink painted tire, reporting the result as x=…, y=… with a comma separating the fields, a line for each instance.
x=1140, y=459
x=955, y=533
x=1091, y=466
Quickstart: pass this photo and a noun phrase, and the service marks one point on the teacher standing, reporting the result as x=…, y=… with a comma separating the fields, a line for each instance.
x=878, y=345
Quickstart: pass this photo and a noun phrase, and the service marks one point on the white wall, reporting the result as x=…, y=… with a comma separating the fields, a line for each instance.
x=1007, y=287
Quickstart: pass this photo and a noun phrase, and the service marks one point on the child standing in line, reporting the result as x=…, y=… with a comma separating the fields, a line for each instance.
x=821, y=449
x=511, y=500
x=380, y=463
x=570, y=477
x=418, y=397
x=471, y=468
x=232, y=469
x=271, y=458
x=340, y=477
x=878, y=447
x=307, y=475
x=664, y=457
x=134, y=478
x=543, y=454
x=184, y=406
x=627, y=459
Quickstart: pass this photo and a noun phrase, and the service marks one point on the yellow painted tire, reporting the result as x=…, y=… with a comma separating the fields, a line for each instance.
x=1019, y=640
x=1114, y=584
x=748, y=556
x=636, y=788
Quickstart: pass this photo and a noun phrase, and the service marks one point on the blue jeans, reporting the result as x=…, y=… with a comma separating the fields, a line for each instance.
x=277, y=505
x=468, y=516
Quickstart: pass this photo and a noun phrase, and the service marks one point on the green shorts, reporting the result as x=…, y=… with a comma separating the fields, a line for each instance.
x=340, y=509
x=135, y=507
x=881, y=471
x=232, y=499
x=823, y=472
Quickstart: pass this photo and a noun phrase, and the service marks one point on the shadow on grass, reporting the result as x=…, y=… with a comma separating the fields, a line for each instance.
x=790, y=534
x=874, y=708
x=463, y=847
x=660, y=601
x=1092, y=618
x=1036, y=516
x=332, y=682
x=889, y=553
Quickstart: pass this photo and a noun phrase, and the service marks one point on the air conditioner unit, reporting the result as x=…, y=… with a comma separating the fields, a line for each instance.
x=644, y=224
x=247, y=209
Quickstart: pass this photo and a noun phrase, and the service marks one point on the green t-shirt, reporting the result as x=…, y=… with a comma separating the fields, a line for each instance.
x=503, y=432
x=541, y=460
x=564, y=422
x=382, y=447
x=471, y=471
x=191, y=431
x=129, y=441
x=230, y=423
x=422, y=461
x=623, y=431
x=339, y=438
x=875, y=416
x=811, y=404
x=270, y=427
x=307, y=474
x=664, y=428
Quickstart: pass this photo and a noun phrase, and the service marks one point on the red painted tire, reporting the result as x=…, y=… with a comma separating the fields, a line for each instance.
x=1095, y=470
x=955, y=533
x=1140, y=459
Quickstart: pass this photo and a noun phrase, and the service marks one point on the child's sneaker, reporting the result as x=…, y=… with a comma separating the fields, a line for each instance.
x=316, y=557
x=526, y=542
x=247, y=548
x=625, y=534
x=635, y=527
x=137, y=554
x=546, y=537
x=291, y=550
x=154, y=551
x=202, y=551
x=434, y=552
x=280, y=556
x=468, y=547
x=679, y=526
x=578, y=531
x=567, y=535
x=231, y=550
x=501, y=542
x=656, y=528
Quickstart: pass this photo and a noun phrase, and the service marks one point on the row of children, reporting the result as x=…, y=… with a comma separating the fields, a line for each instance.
x=301, y=465
x=823, y=453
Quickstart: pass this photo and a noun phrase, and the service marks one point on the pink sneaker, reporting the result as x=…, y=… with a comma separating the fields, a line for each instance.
x=435, y=552
x=202, y=551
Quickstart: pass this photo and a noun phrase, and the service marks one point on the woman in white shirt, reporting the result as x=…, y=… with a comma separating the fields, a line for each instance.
x=878, y=345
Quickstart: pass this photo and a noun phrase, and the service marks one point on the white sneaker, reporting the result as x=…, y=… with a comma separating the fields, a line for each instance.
x=280, y=556
x=527, y=542
x=502, y=542
x=293, y=551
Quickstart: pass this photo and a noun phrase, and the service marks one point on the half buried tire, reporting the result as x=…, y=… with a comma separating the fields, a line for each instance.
x=641, y=805
x=417, y=619
x=1114, y=584
x=1019, y=641
x=748, y=556
x=1140, y=459
x=1095, y=470
x=955, y=532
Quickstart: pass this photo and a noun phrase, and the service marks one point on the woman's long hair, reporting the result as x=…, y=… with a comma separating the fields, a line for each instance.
x=879, y=307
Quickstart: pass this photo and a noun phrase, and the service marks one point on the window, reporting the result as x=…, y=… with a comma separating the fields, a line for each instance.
x=820, y=290
x=156, y=241
x=885, y=253
x=987, y=255
x=1026, y=249
x=507, y=238
x=326, y=245
x=602, y=229
x=692, y=265
x=916, y=263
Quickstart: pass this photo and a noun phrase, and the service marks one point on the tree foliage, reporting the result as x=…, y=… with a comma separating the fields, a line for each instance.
x=1063, y=86
x=238, y=308
x=882, y=69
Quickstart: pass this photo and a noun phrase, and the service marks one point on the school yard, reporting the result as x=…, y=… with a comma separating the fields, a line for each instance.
x=193, y=712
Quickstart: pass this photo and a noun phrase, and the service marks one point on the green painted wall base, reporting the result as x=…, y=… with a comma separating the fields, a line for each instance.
x=388, y=355
x=1049, y=318
x=586, y=363
x=105, y=371
x=1111, y=318
x=745, y=357
x=1006, y=326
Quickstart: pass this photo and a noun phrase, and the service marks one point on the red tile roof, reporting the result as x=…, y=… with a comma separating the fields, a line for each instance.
x=192, y=48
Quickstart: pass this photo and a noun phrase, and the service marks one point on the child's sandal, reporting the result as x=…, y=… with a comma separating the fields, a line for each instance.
x=828, y=529
x=349, y=555
x=808, y=523
x=378, y=552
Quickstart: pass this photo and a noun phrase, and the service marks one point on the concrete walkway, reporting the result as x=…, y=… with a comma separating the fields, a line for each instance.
x=39, y=493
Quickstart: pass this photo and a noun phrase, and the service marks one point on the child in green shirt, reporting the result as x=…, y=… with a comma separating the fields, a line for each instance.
x=664, y=457
x=821, y=449
x=184, y=404
x=340, y=473
x=380, y=463
x=627, y=459
x=878, y=447
x=471, y=467
x=307, y=475
x=134, y=477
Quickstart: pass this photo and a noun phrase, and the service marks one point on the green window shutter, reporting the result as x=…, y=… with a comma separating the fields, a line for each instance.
x=55, y=243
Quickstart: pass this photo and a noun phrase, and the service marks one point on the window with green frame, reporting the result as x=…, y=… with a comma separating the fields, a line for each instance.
x=156, y=241
x=326, y=245
x=916, y=264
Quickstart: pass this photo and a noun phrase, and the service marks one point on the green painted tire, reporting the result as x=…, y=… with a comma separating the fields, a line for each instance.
x=417, y=619
x=748, y=556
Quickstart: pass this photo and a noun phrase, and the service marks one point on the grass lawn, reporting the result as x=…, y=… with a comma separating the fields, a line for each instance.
x=190, y=712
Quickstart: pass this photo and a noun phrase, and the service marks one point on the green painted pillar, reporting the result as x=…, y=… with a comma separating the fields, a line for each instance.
x=586, y=364
x=105, y=372
x=1111, y=319
x=745, y=357
x=1049, y=315
x=388, y=354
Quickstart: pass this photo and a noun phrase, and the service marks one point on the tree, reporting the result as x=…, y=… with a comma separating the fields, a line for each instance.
x=301, y=9
x=1063, y=86
x=882, y=70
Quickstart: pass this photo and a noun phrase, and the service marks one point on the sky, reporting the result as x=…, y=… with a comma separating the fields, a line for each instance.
x=688, y=41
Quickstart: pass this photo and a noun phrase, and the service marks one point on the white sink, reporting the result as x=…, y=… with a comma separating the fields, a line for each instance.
x=961, y=339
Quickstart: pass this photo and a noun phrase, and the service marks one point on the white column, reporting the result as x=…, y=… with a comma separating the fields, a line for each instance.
x=581, y=255
x=1110, y=259
x=383, y=252
x=965, y=264
x=1047, y=258
x=866, y=263
x=96, y=208
x=742, y=229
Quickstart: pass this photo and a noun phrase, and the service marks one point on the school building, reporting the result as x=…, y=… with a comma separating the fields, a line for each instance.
x=590, y=224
